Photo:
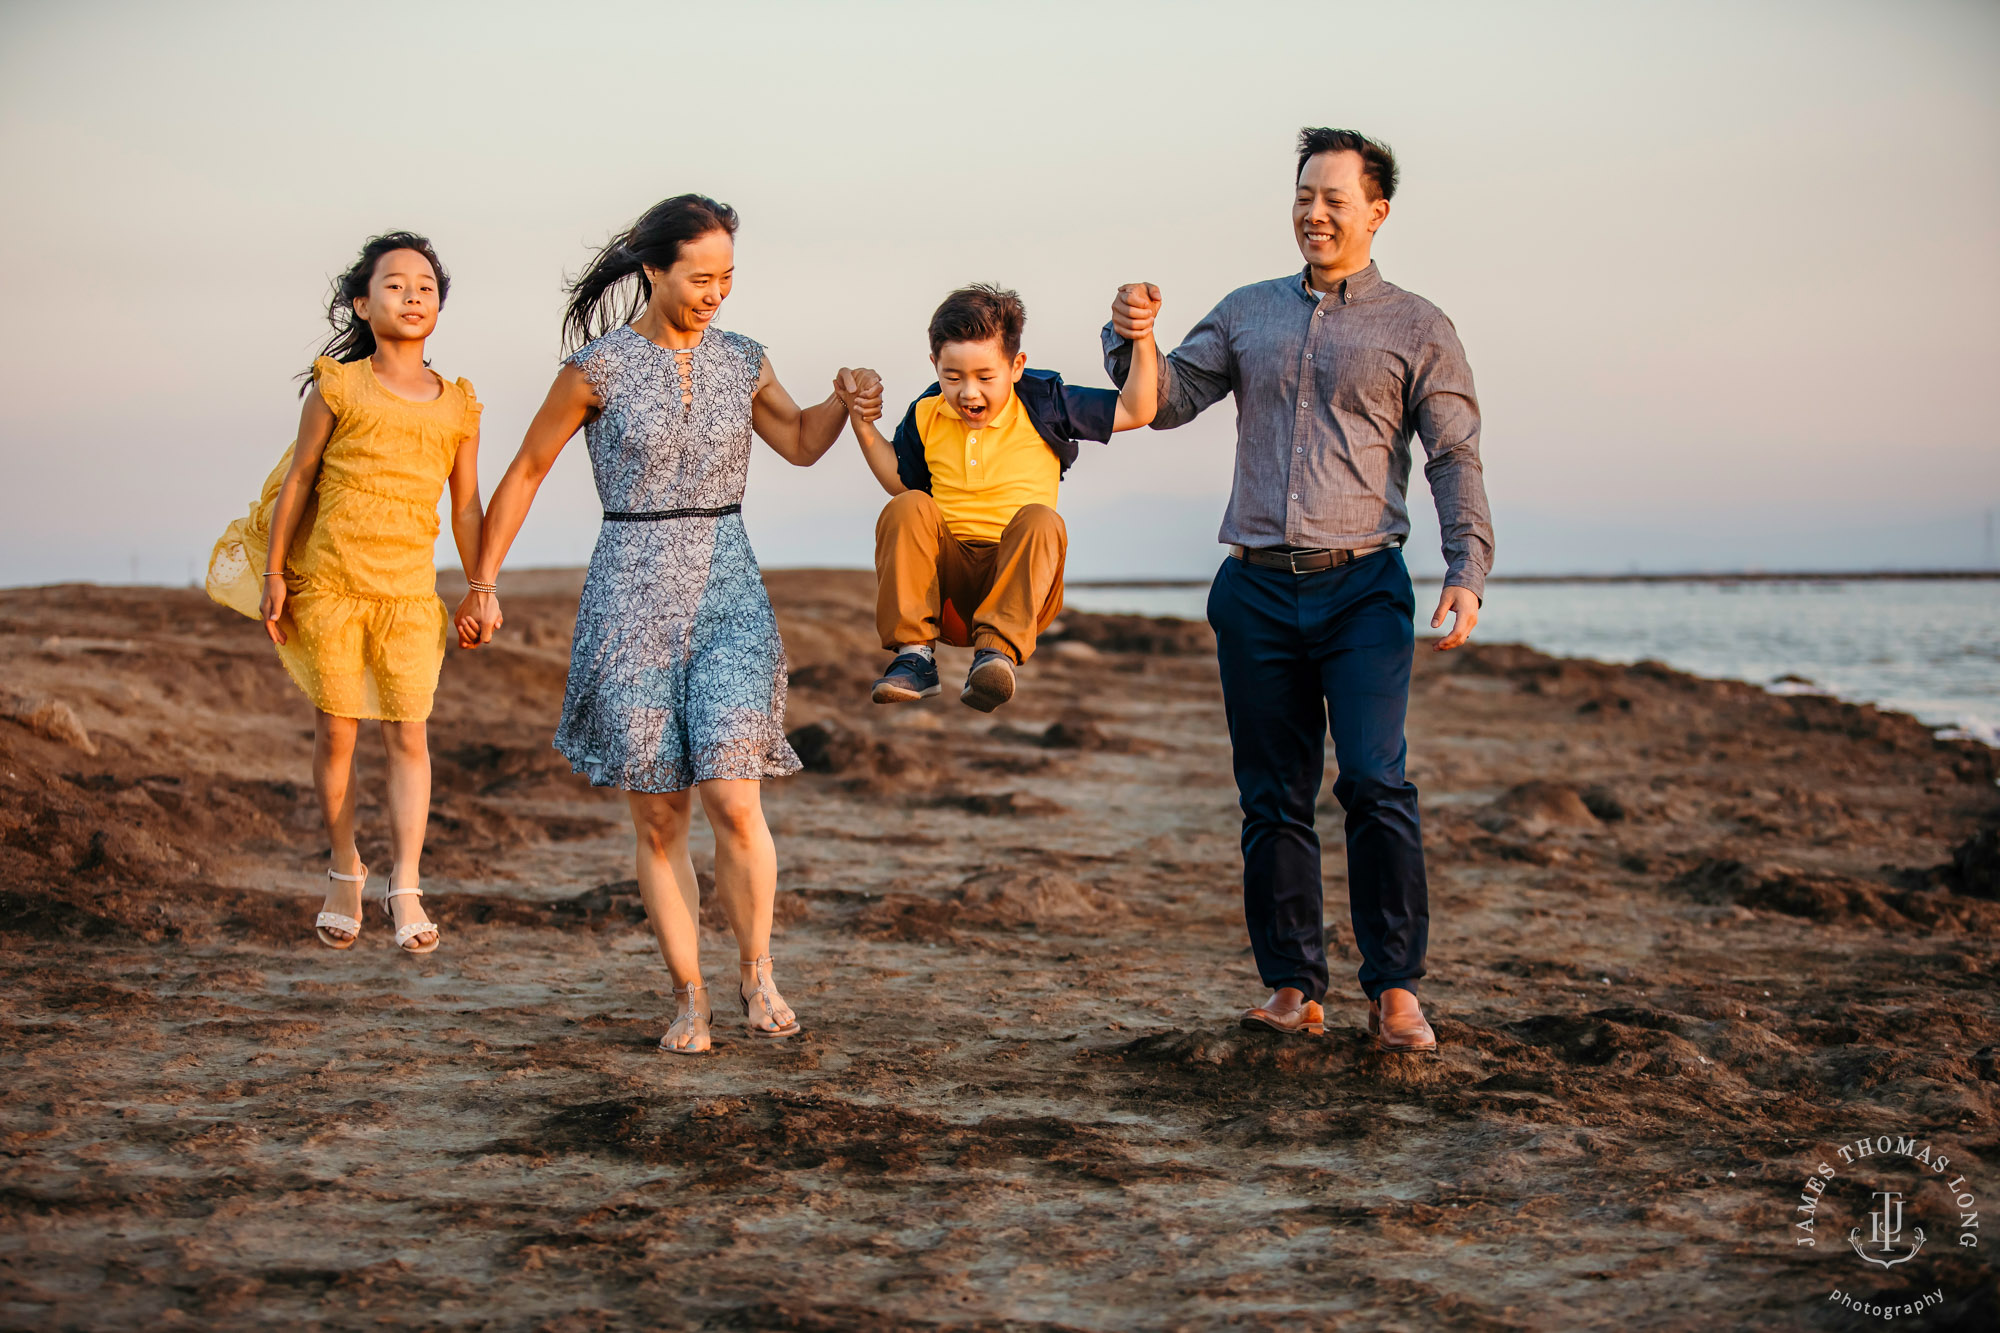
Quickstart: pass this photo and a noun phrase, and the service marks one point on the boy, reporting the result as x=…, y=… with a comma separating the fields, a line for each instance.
x=970, y=545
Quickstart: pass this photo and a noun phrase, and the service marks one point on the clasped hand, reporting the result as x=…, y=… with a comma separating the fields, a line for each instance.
x=860, y=392
x=478, y=616
x=1134, y=309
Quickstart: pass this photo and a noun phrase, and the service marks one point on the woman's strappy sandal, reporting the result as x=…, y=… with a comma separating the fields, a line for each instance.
x=336, y=921
x=765, y=997
x=691, y=1023
x=404, y=934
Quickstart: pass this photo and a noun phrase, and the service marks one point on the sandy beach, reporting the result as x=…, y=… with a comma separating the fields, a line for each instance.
x=1686, y=936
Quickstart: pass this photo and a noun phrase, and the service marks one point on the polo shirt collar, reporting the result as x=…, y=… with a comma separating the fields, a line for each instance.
x=1354, y=287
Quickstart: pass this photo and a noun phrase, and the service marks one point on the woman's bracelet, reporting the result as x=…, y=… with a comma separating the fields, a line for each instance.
x=477, y=586
x=274, y=574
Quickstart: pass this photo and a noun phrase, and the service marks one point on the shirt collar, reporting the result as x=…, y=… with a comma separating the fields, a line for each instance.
x=1354, y=287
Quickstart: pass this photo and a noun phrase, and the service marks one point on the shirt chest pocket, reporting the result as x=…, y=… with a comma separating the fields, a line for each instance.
x=1365, y=381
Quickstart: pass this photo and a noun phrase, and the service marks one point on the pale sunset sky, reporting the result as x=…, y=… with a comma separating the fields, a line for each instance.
x=1727, y=273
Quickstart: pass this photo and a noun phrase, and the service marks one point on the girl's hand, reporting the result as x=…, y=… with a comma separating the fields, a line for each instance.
x=273, y=607
x=478, y=617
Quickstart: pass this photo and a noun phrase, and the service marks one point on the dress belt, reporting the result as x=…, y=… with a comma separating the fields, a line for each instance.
x=1303, y=560
x=656, y=515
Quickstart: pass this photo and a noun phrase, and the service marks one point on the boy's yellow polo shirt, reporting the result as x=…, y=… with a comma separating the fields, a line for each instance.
x=981, y=477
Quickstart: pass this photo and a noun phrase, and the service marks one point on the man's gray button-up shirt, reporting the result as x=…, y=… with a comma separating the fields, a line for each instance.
x=1329, y=390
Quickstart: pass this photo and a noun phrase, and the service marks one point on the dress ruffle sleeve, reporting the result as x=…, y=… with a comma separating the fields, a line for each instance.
x=473, y=408
x=330, y=378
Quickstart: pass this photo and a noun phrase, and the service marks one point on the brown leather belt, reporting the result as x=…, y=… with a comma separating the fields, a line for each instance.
x=1303, y=560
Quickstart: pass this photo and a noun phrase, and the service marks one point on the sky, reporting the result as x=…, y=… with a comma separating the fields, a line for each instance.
x=1726, y=273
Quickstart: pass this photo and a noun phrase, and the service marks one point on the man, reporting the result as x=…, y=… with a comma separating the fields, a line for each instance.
x=1333, y=370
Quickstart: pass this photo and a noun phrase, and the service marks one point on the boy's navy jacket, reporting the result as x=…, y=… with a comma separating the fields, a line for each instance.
x=1061, y=416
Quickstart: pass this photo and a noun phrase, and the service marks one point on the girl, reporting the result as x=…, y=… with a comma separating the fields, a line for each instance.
x=353, y=606
x=677, y=675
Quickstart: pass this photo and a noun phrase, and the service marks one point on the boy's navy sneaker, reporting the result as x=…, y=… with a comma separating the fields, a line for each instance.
x=990, y=683
x=911, y=677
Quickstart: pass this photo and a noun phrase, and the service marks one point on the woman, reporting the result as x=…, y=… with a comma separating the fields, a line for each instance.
x=677, y=674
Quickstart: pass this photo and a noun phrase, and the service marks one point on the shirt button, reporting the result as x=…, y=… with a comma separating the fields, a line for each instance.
x=1309, y=356
x=1295, y=495
x=1302, y=402
x=973, y=463
x=972, y=439
x=1298, y=448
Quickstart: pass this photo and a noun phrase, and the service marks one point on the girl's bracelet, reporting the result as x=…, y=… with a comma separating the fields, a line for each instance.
x=274, y=574
x=476, y=586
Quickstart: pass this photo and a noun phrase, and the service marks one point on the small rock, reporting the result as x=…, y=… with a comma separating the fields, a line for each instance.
x=57, y=721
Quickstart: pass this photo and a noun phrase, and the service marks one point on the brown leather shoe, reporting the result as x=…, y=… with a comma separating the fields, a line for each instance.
x=1406, y=1032
x=1287, y=1011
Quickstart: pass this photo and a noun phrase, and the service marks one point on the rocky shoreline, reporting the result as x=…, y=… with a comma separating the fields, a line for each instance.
x=1686, y=932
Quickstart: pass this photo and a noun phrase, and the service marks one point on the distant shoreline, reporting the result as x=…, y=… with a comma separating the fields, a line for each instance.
x=1754, y=576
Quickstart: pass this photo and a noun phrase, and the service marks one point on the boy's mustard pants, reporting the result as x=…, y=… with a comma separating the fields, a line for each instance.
x=1002, y=593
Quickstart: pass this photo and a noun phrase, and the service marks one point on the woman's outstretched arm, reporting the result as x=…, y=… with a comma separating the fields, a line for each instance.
x=570, y=403
x=315, y=429
x=800, y=436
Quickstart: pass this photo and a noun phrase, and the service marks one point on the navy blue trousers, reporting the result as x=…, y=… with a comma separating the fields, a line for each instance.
x=1303, y=655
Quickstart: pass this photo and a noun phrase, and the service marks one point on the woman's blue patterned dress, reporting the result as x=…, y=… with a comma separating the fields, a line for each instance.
x=676, y=674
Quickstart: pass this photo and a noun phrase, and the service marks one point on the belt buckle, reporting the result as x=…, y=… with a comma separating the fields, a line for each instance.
x=1292, y=560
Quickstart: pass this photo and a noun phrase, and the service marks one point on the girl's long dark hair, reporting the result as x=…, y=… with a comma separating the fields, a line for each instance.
x=601, y=299
x=352, y=339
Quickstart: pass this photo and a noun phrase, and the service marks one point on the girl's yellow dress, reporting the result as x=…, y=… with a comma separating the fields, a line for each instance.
x=365, y=630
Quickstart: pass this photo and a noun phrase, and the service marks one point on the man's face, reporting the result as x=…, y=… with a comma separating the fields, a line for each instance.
x=1333, y=217
x=977, y=379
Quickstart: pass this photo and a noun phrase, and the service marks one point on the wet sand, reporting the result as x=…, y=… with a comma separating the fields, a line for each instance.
x=1686, y=936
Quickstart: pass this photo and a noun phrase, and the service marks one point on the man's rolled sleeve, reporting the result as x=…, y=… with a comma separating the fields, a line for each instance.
x=1445, y=410
x=1193, y=377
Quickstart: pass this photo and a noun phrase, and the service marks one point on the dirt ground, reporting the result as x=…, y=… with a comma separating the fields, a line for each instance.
x=1687, y=937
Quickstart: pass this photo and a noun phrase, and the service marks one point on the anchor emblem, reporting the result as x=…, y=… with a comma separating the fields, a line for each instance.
x=1884, y=1231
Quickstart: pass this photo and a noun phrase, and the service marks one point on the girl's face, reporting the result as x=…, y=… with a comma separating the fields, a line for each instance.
x=688, y=294
x=402, y=300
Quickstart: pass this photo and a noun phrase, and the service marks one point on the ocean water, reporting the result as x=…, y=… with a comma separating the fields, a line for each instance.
x=1929, y=648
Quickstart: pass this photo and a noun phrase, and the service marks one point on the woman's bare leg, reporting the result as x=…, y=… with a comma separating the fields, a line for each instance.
x=666, y=879
x=408, y=748
x=746, y=874
x=672, y=897
x=333, y=779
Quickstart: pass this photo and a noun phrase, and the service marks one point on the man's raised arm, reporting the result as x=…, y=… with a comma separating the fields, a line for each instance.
x=1192, y=377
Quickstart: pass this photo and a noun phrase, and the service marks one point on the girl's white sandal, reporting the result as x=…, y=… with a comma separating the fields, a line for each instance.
x=335, y=921
x=422, y=925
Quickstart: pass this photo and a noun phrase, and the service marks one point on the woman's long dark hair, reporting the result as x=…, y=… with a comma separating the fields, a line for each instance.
x=352, y=339
x=596, y=302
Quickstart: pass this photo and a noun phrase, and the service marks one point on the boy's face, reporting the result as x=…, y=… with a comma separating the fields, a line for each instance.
x=977, y=379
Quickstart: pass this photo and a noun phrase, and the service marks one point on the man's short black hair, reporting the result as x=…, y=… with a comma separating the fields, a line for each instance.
x=1378, y=164
x=977, y=314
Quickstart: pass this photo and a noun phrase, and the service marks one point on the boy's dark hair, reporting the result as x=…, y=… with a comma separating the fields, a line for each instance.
x=601, y=300
x=977, y=314
x=1378, y=164
x=352, y=339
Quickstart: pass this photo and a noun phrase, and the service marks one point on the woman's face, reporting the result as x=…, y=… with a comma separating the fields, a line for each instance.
x=688, y=294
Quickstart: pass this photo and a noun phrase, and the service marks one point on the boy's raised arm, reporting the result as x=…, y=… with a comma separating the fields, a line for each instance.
x=1139, y=395
x=864, y=408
